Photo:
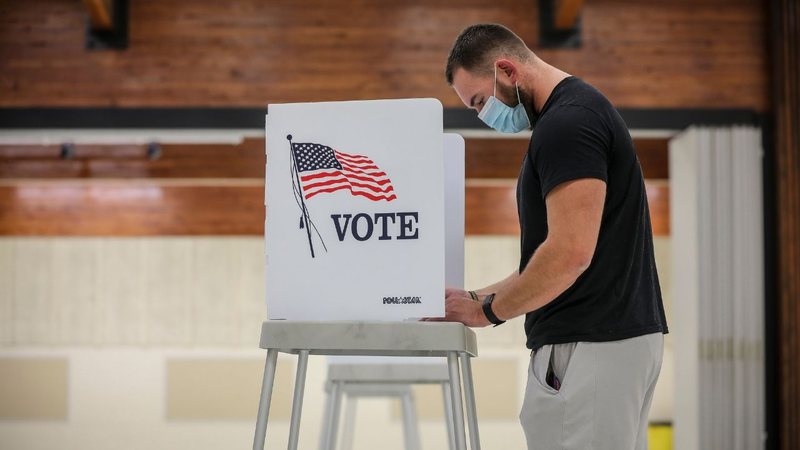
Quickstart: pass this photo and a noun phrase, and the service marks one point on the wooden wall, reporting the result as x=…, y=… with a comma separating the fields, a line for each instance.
x=647, y=54
x=786, y=73
x=682, y=54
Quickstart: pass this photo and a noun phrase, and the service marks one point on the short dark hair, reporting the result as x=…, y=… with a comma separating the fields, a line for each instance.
x=477, y=44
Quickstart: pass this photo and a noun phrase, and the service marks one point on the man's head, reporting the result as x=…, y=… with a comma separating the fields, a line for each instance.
x=478, y=53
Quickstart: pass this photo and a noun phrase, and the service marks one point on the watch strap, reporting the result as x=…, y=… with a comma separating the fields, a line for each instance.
x=487, y=310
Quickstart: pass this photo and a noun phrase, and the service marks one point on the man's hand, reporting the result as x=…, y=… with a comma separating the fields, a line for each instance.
x=460, y=307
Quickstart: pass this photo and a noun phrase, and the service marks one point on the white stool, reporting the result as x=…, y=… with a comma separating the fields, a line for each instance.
x=365, y=379
x=451, y=340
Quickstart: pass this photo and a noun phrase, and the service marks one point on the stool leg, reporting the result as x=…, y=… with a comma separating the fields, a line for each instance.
x=469, y=398
x=410, y=421
x=349, y=425
x=297, y=402
x=326, y=417
x=336, y=403
x=455, y=392
x=448, y=415
x=266, y=397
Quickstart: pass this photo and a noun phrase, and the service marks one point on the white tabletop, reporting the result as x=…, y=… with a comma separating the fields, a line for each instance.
x=368, y=338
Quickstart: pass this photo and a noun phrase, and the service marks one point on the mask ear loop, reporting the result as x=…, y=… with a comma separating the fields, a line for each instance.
x=495, y=82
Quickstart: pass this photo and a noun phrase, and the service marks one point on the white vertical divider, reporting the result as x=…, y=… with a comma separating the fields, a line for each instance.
x=717, y=235
x=688, y=322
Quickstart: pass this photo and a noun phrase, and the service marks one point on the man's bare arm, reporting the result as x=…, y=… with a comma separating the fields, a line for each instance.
x=574, y=214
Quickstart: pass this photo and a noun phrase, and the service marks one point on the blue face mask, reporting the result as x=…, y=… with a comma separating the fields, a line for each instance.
x=502, y=117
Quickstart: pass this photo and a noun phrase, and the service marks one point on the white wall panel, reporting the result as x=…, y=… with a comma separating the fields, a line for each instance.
x=489, y=259
x=74, y=298
x=120, y=291
x=6, y=291
x=168, y=293
x=214, y=292
x=34, y=312
x=250, y=305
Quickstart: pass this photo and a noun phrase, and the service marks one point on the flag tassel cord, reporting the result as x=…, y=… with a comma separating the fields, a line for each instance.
x=302, y=196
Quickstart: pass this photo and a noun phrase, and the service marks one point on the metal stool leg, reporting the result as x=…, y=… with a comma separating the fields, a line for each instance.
x=326, y=417
x=349, y=425
x=266, y=398
x=448, y=416
x=410, y=429
x=297, y=402
x=336, y=404
x=455, y=392
x=469, y=398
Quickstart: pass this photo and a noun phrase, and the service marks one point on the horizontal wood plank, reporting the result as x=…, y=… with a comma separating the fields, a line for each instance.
x=141, y=208
x=130, y=209
x=245, y=160
x=491, y=209
x=485, y=158
x=501, y=158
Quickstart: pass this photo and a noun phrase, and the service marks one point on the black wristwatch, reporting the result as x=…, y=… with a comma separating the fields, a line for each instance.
x=487, y=311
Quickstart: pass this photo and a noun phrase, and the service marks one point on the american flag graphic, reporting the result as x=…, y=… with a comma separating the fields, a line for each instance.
x=323, y=169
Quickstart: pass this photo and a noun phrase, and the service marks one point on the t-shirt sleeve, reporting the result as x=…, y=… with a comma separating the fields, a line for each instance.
x=575, y=144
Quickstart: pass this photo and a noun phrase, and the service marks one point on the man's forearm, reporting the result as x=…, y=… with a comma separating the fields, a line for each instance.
x=551, y=271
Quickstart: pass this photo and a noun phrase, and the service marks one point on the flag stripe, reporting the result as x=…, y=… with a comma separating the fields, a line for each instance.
x=352, y=187
x=362, y=166
x=305, y=178
x=340, y=157
x=363, y=194
x=310, y=194
x=374, y=197
x=354, y=158
x=352, y=183
x=380, y=181
x=355, y=161
x=361, y=169
x=372, y=174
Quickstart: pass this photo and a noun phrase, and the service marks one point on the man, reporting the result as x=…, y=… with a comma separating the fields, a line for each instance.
x=587, y=279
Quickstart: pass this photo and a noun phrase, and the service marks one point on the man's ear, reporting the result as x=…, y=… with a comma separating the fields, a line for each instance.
x=507, y=68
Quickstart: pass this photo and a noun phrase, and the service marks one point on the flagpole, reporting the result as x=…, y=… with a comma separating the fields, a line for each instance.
x=302, y=196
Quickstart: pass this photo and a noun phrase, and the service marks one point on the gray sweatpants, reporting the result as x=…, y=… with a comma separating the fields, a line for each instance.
x=604, y=397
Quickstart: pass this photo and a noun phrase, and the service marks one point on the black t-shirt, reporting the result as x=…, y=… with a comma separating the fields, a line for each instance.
x=579, y=134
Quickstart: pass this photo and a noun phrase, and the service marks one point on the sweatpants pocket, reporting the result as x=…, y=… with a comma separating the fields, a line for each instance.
x=542, y=414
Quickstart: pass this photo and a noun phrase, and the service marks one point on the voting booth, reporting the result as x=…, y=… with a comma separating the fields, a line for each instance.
x=355, y=210
x=364, y=228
